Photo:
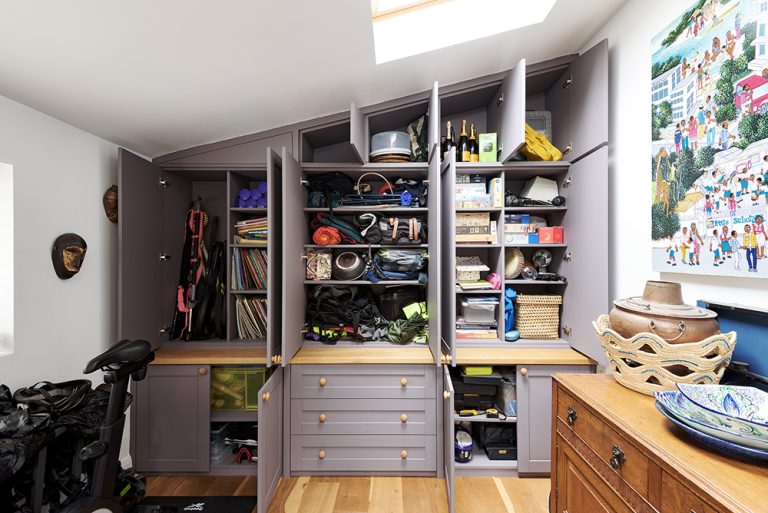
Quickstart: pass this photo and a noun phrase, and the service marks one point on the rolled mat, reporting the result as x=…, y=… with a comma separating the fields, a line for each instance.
x=326, y=236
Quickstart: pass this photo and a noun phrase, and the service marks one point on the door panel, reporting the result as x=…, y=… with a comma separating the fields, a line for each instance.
x=435, y=236
x=294, y=236
x=448, y=441
x=558, y=102
x=586, y=226
x=357, y=132
x=512, y=112
x=589, y=100
x=270, y=430
x=433, y=133
x=274, y=255
x=140, y=210
x=448, y=253
x=172, y=396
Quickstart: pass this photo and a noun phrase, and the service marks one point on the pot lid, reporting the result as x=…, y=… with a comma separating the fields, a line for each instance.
x=642, y=306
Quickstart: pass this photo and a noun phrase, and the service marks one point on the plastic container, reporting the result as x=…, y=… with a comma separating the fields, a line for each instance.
x=478, y=312
x=390, y=142
x=541, y=121
x=236, y=388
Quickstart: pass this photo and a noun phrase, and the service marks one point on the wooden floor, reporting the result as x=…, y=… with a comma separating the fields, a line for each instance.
x=373, y=494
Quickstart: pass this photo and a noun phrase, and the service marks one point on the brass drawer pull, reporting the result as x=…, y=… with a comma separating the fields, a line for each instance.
x=403, y=382
x=404, y=455
x=403, y=418
x=617, y=458
x=323, y=418
x=323, y=381
x=572, y=416
x=321, y=455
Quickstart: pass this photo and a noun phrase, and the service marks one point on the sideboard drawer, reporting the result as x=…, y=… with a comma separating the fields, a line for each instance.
x=613, y=449
x=363, y=382
x=675, y=497
x=363, y=416
x=363, y=453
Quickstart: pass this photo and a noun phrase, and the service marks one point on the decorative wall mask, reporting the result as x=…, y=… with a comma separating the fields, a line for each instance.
x=68, y=254
x=110, y=203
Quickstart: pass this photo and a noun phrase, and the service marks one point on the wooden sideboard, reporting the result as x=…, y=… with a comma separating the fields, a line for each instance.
x=613, y=452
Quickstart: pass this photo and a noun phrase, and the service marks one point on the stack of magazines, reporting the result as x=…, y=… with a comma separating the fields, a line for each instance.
x=251, y=318
x=249, y=269
x=251, y=231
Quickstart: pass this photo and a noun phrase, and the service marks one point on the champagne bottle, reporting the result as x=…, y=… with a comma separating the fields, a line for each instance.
x=450, y=142
x=474, y=147
x=462, y=153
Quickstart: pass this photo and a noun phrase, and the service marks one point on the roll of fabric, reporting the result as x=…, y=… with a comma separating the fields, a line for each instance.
x=326, y=236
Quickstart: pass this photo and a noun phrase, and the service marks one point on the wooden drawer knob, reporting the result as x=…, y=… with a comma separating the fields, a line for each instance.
x=403, y=381
x=266, y=396
x=323, y=418
x=403, y=418
x=446, y=394
x=321, y=455
x=523, y=371
x=323, y=381
x=404, y=454
x=202, y=371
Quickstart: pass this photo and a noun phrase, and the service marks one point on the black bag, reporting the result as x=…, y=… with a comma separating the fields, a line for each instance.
x=336, y=308
x=47, y=397
x=327, y=189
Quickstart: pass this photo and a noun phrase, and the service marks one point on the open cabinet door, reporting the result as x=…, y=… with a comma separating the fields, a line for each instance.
x=357, y=132
x=512, y=116
x=448, y=438
x=586, y=258
x=294, y=237
x=274, y=256
x=270, y=431
x=589, y=100
x=140, y=238
x=448, y=253
x=435, y=235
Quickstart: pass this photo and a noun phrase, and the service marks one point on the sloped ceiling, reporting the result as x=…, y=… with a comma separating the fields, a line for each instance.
x=159, y=76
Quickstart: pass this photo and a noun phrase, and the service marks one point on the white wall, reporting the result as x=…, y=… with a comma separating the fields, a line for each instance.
x=629, y=35
x=6, y=258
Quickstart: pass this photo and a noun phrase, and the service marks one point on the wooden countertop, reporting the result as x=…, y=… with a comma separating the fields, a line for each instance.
x=210, y=356
x=738, y=485
x=361, y=355
x=520, y=355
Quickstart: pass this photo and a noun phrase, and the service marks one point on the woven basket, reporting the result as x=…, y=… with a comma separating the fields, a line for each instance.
x=538, y=317
x=647, y=363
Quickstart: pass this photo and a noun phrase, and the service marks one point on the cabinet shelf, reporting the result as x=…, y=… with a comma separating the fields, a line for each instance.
x=248, y=292
x=480, y=462
x=479, y=209
x=459, y=290
x=399, y=169
x=534, y=210
x=397, y=209
x=476, y=245
x=234, y=416
x=251, y=246
x=512, y=283
x=521, y=246
x=366, y=246
x=484, y=419
x=363, y=282
x=521, y=169
x=245, y=210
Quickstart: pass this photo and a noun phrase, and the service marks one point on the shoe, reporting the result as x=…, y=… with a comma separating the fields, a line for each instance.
x=674, y=265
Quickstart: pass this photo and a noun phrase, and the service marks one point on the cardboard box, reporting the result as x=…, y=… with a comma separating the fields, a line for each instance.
x=464, y=230
x=476, y=238
x=494, y=189
x=551, y=235
x=518, y=228
x=487, y=144
x=471, y=189
x=533, y=238
x=516, y=238
x=473, y=218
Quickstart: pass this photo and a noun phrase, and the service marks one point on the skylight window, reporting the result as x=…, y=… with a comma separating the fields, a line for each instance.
x=402, y=28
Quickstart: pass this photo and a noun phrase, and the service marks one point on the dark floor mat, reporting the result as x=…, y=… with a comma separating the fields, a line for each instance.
x=213, y=504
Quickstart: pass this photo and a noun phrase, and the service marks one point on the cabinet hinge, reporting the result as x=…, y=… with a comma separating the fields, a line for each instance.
x=303, y=182
x=164, y=329
x=568, y=148
x=164, y=257
x=164, y=183
x=568, y=83
x=567, y=256
x=500, y=100
x=567, y=330
x=567, y=182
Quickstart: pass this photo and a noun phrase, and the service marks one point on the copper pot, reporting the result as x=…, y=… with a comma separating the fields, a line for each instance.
x=661, y=311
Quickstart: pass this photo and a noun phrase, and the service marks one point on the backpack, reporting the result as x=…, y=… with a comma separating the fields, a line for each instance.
x=332, y=311
x=327, y=189
x=399, y=264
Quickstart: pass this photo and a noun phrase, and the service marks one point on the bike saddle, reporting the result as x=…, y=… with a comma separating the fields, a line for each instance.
x=124, y=352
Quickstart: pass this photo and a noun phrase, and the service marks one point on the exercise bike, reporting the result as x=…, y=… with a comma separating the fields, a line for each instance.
x=126, y=360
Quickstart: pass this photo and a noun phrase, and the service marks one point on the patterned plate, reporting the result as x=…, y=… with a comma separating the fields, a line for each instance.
x=722, y=446
x=746, y=408
x=676, y=404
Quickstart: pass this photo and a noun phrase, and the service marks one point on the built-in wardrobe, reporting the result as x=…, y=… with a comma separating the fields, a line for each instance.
x=371, y=408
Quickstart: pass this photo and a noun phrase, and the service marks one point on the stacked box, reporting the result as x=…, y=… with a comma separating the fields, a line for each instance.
x=551, y=235
x=475, y=227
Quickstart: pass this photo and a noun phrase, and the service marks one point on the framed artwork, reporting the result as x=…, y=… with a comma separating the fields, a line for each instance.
x=709, y=151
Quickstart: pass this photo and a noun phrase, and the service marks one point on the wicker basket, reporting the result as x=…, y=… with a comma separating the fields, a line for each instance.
x=647, y=363
x=538, y=317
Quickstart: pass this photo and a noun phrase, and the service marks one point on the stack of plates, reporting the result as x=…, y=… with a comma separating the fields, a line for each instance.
x=730, y=419
x=391, y=155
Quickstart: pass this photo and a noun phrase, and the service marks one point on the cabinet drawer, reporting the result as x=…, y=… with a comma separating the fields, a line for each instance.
x=613, y=449
x=676, y=497
x=364, y=382
x=363, y=453
x=362, y=416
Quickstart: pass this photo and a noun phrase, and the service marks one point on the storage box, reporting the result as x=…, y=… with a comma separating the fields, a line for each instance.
x=236, y=388
x=501, y=451
x=551, y=235
x=487, y=143
x=470, y=179
x=538, y=316
x=478, y=312
x=497, y=194
x=533, y=238
x=541, y=121
x=541, y=189
x=516, y=238
x=473, y=218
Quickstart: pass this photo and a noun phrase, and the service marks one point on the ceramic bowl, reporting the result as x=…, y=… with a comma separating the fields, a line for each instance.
x=745, y=408
x=676, y=404
x=712, y=442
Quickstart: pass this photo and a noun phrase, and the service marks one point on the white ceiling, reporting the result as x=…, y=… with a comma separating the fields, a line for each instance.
x=158, y=76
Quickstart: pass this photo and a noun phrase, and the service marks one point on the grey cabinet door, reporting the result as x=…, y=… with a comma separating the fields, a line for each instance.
x=448, y=254
x=512, y=117
x=357, y=132
x=589, y=100
x=270, y=431
x=274, y=254
x=586, y=232
x=294, y=236
x=448, y=434
x=534, y=414
x=435, y=233
x=173, y=419
x=140, y=238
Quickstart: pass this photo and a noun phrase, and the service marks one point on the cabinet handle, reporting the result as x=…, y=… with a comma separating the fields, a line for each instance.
x=321, y=455
x=572, y=416
x=523, y=371
x=617, y=458
x=202, y=371
x=277, y=359
x=266, y=396
x=446, y=394
x=323, y=381
x=404, y=455
x=403, y=418
x=403, y=381
x=322, y=418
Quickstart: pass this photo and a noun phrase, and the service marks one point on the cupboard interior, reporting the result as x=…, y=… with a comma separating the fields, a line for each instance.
x=477, y=105
x=547, y=91
x=394, y=119
x=328, y=144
